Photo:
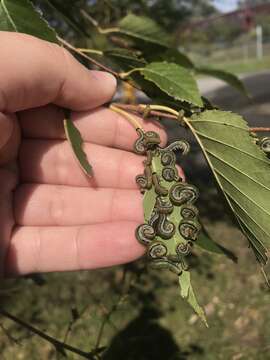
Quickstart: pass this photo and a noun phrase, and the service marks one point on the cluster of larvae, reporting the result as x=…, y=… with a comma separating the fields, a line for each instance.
x=173, y=225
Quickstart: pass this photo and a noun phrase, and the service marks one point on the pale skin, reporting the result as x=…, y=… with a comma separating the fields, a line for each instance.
x=52, y=217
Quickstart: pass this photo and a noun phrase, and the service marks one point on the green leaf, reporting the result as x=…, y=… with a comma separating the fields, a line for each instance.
x=208, y=244
x=171, y=55
x=143, y=28
x=149, y=200
x=187, y=293
x=226, y=76
x=242, y=172
x=184, y=284
x=124, y=58
x=21, y=16
x=174, y=80
x=65, y=12
x=76, y=142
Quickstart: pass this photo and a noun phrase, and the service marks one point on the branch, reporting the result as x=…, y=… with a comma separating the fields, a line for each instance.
x=108, y=314
x=140, y=109
x=260, y=129
x=93, y=61
x=59, y=345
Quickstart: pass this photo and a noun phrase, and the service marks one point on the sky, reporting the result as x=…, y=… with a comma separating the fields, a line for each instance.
x=226, y=5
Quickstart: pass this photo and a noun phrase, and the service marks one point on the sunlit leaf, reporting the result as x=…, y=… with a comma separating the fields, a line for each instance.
x=76, y=142
x=143, y=28
x=174, y=80
x=242, y=172
x=20, y=16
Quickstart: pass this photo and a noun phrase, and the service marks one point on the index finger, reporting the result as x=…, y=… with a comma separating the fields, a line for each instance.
x=34, y=72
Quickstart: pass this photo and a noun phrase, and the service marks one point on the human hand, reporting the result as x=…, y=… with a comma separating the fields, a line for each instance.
x=52, y=217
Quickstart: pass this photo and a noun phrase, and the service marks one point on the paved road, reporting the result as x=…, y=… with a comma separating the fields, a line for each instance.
x=257, y=111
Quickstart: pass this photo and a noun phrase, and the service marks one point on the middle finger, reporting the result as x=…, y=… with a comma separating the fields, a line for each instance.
x=54, y=205
x=53, y=162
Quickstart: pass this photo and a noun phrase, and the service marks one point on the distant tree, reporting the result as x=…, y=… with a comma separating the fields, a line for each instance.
x=168, y=14
x=242, y=3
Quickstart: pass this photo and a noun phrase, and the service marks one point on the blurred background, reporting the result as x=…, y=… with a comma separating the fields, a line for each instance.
x=132, y=312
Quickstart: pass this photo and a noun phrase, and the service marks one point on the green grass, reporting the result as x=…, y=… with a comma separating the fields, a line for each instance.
x=151, y=321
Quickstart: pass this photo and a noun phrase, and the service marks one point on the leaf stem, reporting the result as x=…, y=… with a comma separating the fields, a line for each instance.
x=169, y=113
x=93, y=61
x=164, y=108
x=124, y=75
x=90, y=51
x=140, y=110
x=131, y=119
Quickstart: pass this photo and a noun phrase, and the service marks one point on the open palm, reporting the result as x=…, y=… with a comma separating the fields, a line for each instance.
x=52, y=217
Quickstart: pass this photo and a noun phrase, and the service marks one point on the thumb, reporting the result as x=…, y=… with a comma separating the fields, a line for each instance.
x=9, y=137
x=35, y=73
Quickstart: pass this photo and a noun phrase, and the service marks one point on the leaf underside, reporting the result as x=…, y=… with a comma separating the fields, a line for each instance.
x=241, y=170
x=187, y=293
x=76, y=142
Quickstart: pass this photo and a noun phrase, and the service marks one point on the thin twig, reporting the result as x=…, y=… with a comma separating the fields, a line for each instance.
x=56, y=343
x=102, y=307
x=93, y=61
x=141, y=108
x=69, y=328
x=260, y=129
x=9, y=336
x=96, y=24
x=107, y=317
